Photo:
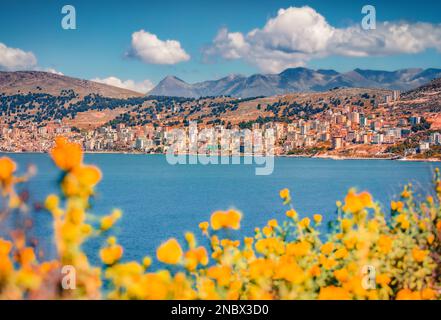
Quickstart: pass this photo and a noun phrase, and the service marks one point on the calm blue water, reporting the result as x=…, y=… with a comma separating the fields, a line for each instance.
x=161, y=201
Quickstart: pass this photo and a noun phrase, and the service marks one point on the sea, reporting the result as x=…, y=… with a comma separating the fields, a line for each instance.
x=160, y=200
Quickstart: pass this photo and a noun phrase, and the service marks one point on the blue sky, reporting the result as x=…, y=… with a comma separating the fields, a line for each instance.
x=99, y=46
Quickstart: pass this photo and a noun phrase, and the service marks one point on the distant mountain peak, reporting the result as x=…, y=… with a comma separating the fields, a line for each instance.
x=298, y=79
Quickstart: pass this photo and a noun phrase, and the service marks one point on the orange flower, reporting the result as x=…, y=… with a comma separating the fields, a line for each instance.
x=111, y=254
x=169, y=252
x=341, y=253
x=396, y=206
x=107, y=222
x=384, y=244
x=304, y=223
x=226, y=219
x=196, y=256
x=419, y=255
x=7, y=168
x=428, y=294
x=356, y=202
x=27, y=256
x=204, y=226
x=327, y=248
x=407, y=294
x=315, y=271
x=318, y=218
x=284, y=194
x=298, y=249
x=402, y=220
x=333, y=293
x=272, y=223
x=291, y=213
x=87, y=175
x=66, y=155
x=5, y=247
x=341, y=275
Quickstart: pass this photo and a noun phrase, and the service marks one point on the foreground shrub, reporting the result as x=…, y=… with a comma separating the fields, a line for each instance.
x=366, y=253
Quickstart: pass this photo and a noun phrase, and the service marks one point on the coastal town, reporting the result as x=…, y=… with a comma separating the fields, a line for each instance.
x=343, y=130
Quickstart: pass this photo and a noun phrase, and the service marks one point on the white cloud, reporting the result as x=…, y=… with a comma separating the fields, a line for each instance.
x=149, y=48
x=52, y=70
x=142, y=87
x=297, y=35
x=16, y=59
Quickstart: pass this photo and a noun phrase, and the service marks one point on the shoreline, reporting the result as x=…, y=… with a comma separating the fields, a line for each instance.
x=305, y=156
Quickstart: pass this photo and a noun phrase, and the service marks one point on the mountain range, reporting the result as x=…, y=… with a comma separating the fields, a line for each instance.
x=296, y=80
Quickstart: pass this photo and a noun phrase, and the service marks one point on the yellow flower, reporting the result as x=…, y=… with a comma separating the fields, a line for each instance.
x=87, y=175
x=107, y=222
x=430, y=238
x=27, y=256
x=7, y=168
x=191, y=240
x=284, y=194
x=291, y=213
x=333, y=293
x=356, y=202
x=428, y=294
x=419, y=255
x=146, y=262
x=111, y=254
x=402, y=220
x=327, y=248
x=407, y=294
x=66, y=155
x=318, y=218
x=383, y=279
x=204, y=226
x=169, y=252
x=51, y=202
x=346, y=224
x=226, y=219
x=341, y=275
x=406, y=193
x=272, y=223
x=341, y=253
x=304, y=223
x=221, y=274
x=298, y=249
x=397, y=206
x=384, y=244
x=315, y=271
x=194, y=257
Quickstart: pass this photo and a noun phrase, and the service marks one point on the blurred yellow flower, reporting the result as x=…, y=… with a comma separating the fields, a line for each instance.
x=51, y=202
x=318, y=218
x=291, y=213
x=226, y=219
x=111, y=254
x=356, y=202
x=7, y=168
x=66, y=155
x=419, y=255
x=333, y=293
x=284, y=194
x=169, y=252
x=204, y=226
x=304, y=223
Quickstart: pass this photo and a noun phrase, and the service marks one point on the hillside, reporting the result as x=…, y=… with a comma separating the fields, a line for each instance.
x=23, y=82
x=296, y=80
